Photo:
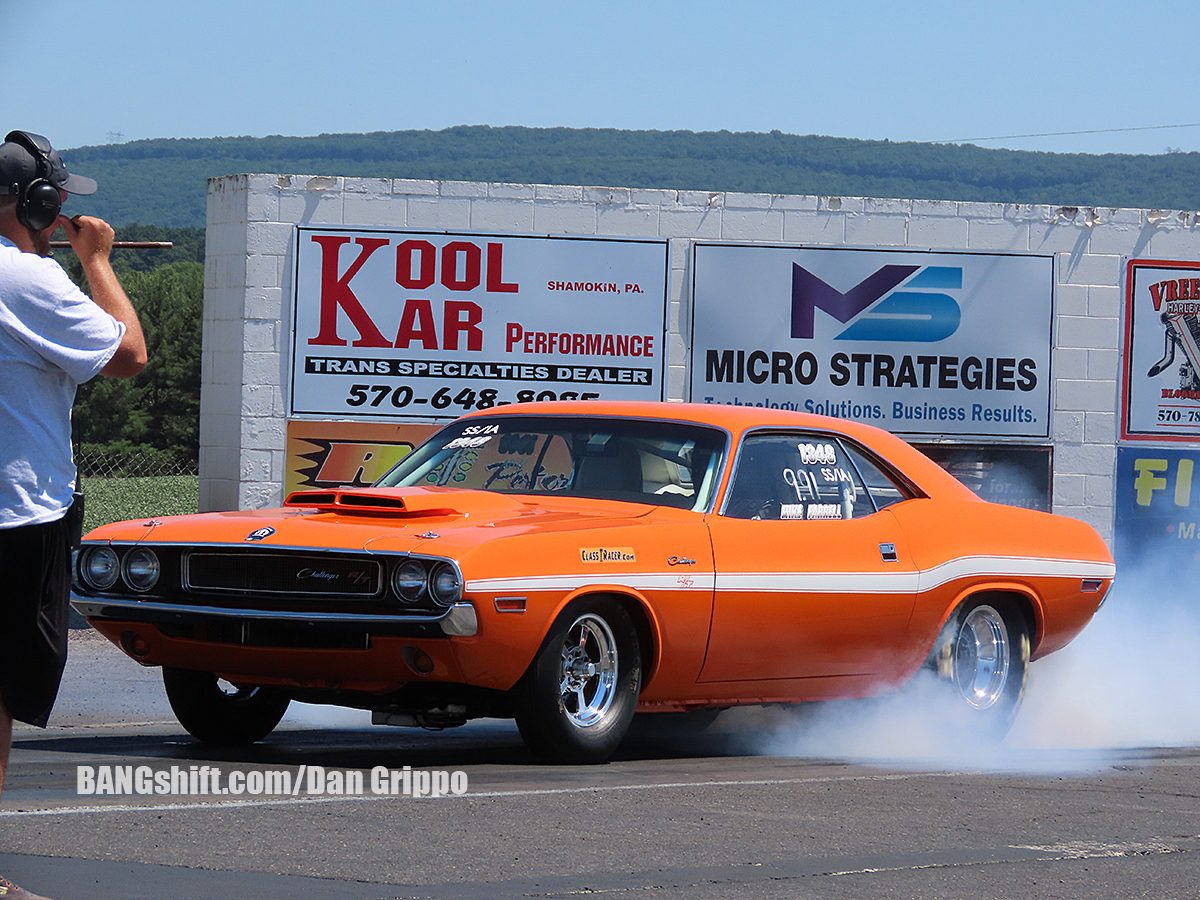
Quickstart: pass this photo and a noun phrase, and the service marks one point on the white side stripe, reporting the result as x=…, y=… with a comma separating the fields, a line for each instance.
x=1013, y=566
x=648, y=581
x=885, y=582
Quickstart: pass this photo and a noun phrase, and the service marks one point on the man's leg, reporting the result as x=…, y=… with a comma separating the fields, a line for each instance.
x=8, y=890
x=5, y=741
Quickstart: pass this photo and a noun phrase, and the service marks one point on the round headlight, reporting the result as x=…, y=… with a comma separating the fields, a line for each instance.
x=141, y=569
x=445, y=585
x=100, y=568
x=408, y=580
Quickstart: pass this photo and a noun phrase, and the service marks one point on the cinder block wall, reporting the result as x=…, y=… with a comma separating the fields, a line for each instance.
x=249, y=265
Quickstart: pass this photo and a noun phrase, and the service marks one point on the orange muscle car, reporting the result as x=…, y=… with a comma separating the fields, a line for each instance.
x=570, y=564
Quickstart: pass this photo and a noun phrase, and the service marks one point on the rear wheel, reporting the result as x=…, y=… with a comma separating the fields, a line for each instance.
x=983, y=657
x=576, y=702
x=217, y=712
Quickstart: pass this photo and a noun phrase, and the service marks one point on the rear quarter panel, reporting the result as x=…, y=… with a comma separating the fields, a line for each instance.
x=962, y=548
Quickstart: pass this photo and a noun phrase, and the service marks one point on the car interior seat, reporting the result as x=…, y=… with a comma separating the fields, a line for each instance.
x=617, y=473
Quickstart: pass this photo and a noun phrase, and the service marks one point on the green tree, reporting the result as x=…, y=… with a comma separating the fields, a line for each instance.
x=165, y=181
x=160, y=408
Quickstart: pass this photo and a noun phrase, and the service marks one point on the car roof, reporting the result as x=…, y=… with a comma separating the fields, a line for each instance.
x=738, y=420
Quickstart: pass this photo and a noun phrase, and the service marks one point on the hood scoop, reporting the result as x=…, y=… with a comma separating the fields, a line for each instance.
x=410, y=501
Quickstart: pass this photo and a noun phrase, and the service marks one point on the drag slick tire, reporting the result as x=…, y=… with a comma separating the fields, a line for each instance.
x=983, y=658
x=217, y=712
x=576, y=701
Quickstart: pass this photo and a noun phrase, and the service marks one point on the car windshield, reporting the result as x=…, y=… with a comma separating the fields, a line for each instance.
x=637, y=460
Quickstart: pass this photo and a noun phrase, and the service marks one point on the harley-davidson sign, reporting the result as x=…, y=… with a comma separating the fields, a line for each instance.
x=1160, y=387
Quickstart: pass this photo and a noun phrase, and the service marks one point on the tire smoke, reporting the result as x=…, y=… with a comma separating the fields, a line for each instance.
x=1128, y=681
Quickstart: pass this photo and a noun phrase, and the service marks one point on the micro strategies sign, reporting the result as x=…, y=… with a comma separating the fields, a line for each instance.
x=922, y=344
x=1160, y=387
x=408, y=325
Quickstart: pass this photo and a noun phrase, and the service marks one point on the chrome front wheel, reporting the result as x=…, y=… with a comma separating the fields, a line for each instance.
x=576, y=701
x=588, y=684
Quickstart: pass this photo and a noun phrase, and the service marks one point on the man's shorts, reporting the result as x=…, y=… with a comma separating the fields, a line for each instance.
x=34, y=592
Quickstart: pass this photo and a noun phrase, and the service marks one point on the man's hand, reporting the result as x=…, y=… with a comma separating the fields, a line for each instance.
x=90, y=238
x=92, y=241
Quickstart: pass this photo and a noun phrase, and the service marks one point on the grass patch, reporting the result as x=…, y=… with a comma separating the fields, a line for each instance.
x=116, y=499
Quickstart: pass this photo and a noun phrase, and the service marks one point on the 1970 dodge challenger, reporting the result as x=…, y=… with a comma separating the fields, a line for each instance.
x=570, y=564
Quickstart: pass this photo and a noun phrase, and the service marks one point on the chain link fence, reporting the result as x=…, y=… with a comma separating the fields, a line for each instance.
x=142, y=463
x=135, y=484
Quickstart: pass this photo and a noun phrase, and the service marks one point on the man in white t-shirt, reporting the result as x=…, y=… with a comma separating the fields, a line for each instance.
x=52, y=338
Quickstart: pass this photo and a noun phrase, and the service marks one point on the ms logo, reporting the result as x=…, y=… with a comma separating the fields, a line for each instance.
x=919, y=312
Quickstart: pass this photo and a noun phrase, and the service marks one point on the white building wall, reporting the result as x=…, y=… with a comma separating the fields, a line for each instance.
x=249, y=265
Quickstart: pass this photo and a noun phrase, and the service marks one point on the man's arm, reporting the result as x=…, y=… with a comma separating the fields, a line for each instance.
x=91, y=239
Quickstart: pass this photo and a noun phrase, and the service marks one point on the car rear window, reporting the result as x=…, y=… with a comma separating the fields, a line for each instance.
x=804, y=475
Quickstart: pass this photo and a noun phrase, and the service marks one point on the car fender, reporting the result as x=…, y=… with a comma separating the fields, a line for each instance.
x=640, y=609
x=1032, y=603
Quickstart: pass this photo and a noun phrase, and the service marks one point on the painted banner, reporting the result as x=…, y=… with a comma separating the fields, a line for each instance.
x=1160, y=384
x=922, y=344
x=1157, y=513
x=346, y=454
x=408, y=325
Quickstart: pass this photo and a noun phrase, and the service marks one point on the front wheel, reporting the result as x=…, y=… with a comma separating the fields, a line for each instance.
x=217, y=712
x=576, y=702
x=983, y=657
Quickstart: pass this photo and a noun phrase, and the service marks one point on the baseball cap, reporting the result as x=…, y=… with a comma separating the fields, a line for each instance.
x=25, y=157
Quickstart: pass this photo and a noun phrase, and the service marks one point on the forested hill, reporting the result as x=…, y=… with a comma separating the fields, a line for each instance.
x=163, y=182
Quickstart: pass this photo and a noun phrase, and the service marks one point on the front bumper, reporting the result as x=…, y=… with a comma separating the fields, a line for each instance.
x=459, y=620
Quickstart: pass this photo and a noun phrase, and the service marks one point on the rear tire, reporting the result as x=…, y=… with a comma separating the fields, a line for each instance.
x=576, y=702
x=216, y=712
x=982, y=657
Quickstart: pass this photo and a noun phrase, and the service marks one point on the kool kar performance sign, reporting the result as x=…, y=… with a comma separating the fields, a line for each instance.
x=917, y=343
x=420, y=325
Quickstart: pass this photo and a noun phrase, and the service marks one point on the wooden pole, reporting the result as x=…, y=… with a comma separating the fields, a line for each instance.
x=121, y=245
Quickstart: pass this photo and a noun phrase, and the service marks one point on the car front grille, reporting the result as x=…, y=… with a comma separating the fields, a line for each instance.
x=278, y=573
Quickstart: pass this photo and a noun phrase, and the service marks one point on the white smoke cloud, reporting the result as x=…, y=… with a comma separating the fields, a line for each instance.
x=1128, y=681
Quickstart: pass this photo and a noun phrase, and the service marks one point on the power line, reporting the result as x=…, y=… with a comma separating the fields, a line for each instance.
x=1009, y=137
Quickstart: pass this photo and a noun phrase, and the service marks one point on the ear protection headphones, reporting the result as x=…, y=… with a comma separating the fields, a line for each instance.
x=39, y=201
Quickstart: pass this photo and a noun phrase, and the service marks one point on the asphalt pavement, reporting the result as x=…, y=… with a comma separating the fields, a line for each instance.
x=768, y=804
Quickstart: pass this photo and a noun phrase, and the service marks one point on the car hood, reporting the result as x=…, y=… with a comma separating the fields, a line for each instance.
x=411, y=519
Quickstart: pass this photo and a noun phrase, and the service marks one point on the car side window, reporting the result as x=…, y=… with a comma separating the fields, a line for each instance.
x=796, y=476
x=883, y=488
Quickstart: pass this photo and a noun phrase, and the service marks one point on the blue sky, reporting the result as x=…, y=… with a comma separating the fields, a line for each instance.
x=83, y=71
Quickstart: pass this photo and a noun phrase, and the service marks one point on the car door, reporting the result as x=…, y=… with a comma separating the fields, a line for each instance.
x=813, y=575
